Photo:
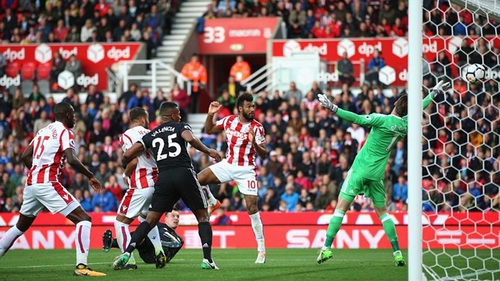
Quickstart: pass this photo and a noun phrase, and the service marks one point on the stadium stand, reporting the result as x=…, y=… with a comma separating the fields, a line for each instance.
x=311, y=153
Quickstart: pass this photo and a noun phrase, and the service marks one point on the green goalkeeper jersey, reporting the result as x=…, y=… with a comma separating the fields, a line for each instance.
x=386, y=131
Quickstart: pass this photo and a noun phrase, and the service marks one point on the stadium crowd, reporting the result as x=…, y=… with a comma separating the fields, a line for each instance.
x=350, y=18
x=35, y=22
x=310, y=150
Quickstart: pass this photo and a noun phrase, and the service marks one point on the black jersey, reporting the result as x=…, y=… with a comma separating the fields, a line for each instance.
x=168, y=146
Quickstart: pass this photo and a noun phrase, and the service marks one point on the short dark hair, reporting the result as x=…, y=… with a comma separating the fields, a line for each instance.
x=61, y=109
x=136, y=113
x=402, y=105
x=166, y=105
x=242, y=98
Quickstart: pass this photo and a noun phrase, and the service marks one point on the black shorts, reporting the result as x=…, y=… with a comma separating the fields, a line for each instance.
x=175, y=184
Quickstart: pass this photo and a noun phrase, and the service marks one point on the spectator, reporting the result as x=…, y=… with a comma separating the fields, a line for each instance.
x=297, y=21
x=345, y=70
x=292, y=92
x=140, y=99
x=374, y=65
x=74, y=65
x=3, y=64
x=290, y=197
x=104, y=201
x=36, y=95
x=232, y=87
x=400, y=190
x=87, y=30
x=324, y=198
x=58, y=66
x=221, y=218
x=195, y=72
x=150, y=44
x=42, y=122
x=240, y=70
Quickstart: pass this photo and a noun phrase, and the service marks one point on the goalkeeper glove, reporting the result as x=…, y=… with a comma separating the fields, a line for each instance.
x=326, y=103
x=440, y=87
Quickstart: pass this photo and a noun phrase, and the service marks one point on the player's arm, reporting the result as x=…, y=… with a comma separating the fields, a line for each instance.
x=27, y=156
x=440, y=88
x=188, y=136
x=130, y=167
x=132, y=153
x=363, y=120
x=210, y=124
x=258, y=142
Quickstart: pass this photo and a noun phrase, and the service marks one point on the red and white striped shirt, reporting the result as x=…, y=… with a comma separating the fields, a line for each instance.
x=49, y=145
x=240, y=150
x=146, y=172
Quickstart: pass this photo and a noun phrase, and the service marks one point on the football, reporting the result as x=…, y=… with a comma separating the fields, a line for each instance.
x=474, y=73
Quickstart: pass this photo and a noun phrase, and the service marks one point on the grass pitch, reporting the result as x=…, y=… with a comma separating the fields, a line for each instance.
x=235, y=264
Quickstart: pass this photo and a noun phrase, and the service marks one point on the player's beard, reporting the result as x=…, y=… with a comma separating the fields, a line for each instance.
x=248, y=117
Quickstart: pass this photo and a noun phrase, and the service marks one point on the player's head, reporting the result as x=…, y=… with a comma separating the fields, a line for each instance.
x=65, y=114
x=139, y=116
x=172, y=219
x=401, y=106
x=246, y=106
x=169, y=112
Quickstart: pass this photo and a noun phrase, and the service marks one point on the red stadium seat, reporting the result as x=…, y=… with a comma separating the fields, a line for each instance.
x=28, y=71
x=12, y=69
x=43, y=71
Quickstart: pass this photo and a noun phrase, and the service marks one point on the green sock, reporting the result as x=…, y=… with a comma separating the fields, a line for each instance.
x=390, y=231
x=333, y=227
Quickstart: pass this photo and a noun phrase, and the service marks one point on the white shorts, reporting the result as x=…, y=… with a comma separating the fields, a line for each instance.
x=244, y=176
x=135, y=201
x=52, y=195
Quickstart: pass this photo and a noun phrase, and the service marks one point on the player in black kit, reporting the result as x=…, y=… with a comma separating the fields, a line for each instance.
x=171, y=242
x=176, y=179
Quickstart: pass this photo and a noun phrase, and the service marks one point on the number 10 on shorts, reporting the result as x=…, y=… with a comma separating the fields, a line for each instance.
x=252, y=184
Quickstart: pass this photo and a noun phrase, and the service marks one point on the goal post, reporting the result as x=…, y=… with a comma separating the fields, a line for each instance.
x=453, y=145
x=414, y=141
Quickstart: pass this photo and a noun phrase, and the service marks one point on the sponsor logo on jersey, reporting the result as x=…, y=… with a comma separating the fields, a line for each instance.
x=234, y=133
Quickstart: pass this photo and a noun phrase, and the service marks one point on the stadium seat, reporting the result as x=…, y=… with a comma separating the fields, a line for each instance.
x=27, y=76
x=28, y=71
x=43, y=71
x=12, y=69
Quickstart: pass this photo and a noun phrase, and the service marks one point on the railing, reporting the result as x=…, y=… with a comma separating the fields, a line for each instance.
x=255, y=81
x=264, y=72
x=155, y=66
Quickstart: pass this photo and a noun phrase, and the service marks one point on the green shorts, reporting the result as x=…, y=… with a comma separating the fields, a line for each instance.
x=356, y=184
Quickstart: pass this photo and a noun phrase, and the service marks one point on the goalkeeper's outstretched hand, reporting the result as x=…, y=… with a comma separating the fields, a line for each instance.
x=440, y=88
x=326, y=103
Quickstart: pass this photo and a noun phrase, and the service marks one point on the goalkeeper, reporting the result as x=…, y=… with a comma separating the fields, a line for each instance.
x=367, y=172
x=171, y=242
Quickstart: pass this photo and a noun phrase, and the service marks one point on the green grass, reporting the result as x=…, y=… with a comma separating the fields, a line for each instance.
x=282, y=264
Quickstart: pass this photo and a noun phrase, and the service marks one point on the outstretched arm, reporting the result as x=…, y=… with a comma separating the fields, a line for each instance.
x=188, y=136
x=440, y=88
x=363, y=120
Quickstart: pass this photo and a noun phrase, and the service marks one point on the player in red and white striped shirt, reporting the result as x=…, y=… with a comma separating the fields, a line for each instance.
x=45, y=156
x=245, y=139
x=141, y=174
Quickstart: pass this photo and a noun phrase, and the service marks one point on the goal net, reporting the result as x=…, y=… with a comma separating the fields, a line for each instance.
x=461, y=137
